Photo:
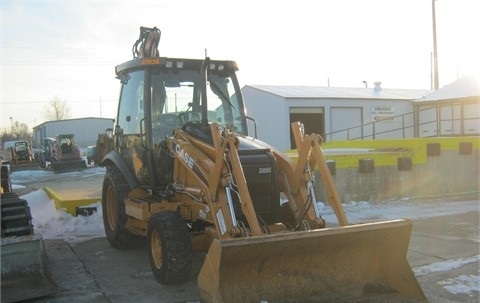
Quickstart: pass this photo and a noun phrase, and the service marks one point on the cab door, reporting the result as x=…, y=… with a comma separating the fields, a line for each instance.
x=131, y=124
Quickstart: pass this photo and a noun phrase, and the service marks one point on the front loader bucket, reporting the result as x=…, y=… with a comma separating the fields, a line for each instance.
x=25, y=273
x=356, y=263
x=65, y=166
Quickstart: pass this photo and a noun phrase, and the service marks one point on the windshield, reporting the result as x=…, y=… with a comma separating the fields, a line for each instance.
x=176, y=99
x=20, y=146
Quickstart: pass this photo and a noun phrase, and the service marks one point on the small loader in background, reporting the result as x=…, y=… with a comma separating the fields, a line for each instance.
x=25, y=272
x=19, y=155
x=61, y=154
x=182, y=171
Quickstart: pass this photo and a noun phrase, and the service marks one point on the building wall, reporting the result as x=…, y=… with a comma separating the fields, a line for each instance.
x=449, y=119
x=379, y=117
x=272, y=115
x=86, y=130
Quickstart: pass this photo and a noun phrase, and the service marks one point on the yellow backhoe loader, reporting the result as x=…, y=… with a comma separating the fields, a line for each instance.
x=182, y=171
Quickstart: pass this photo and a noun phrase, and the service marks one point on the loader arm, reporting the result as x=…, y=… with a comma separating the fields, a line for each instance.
x=227, y=145
x=299, y=179
x=245, y=199
x=310, y=153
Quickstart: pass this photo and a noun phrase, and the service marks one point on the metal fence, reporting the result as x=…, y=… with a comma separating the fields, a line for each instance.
x=425, y=122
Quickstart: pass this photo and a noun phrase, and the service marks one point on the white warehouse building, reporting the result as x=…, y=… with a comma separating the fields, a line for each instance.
x=86, y=130
x=323, y=110
x=362, y=113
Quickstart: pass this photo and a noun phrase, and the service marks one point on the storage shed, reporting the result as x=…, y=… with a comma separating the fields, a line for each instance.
x=333, y=112
x=86, y=130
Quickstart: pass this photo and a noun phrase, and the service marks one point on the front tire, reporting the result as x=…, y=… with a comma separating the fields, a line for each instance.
x=169, y=248
x=115, y=189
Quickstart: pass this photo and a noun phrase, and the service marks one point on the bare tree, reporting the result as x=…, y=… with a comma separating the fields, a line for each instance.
x=57, y=110
x=18, y=131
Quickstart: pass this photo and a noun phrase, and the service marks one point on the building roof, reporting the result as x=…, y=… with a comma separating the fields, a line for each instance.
x=319, y=92
x=74, y=119
x=465, y=87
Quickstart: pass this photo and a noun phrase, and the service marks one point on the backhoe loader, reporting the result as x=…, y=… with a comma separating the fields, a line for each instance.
x=182, y=172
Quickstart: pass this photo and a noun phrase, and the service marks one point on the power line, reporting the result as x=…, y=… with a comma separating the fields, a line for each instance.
x=65, y=47
x=24, y=62
x=46, y=102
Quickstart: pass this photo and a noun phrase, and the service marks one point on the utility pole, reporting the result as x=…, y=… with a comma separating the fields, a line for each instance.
x=435, y=56
x=100, y=106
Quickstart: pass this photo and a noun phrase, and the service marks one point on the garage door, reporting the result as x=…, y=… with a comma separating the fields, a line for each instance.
x=312, y=119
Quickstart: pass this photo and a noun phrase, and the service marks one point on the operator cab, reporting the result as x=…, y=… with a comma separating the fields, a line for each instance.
x=160, y=95
x=166, y=94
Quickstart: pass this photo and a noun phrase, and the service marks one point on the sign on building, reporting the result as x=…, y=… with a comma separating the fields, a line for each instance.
x=382, y=113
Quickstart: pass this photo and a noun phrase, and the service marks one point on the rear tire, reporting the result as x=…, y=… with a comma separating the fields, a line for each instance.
x=115, y=189
x=169, y=248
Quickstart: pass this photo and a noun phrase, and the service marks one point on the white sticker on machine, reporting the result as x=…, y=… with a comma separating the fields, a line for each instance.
x=221, y=222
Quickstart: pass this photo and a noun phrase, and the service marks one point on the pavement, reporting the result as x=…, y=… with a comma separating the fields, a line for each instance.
x=94, y=271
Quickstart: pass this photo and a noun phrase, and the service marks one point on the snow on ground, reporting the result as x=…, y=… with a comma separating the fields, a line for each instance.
x=405, y=208
x=58, y=224
x=444, y=265
x=39, y=177
x=54, y=223
x=464, y=284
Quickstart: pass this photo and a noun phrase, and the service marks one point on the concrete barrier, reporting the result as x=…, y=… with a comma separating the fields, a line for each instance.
x=374, y=170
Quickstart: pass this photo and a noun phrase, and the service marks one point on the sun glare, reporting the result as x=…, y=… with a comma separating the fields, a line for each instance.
x=458, y=42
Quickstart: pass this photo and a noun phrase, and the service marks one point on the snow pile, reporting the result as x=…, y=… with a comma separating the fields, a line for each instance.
x=58, y=224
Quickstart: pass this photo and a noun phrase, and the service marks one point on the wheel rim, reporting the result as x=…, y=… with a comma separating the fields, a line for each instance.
x=156, y=249
x=111, y=202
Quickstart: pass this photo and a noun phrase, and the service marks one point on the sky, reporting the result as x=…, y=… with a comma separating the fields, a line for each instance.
x=69, y=49
x=57, y=224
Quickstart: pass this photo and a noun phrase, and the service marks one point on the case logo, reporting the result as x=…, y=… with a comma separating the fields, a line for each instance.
x=264, y=170
x=187, y=159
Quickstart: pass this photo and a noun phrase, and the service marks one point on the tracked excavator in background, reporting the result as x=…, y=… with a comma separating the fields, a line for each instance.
x=182, y=171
